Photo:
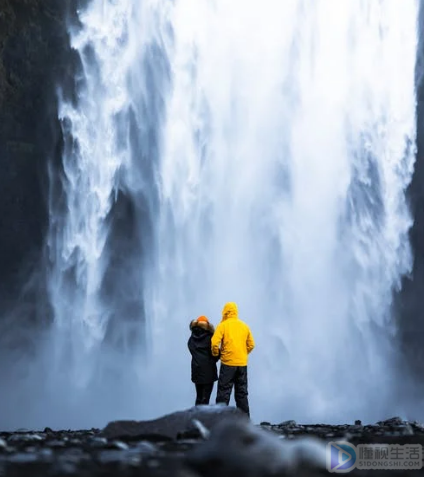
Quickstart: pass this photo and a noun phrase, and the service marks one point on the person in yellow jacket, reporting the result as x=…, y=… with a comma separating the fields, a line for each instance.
x=232, y=342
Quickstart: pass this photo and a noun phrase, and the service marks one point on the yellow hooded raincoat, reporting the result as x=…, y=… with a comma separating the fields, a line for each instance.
x=234, y=338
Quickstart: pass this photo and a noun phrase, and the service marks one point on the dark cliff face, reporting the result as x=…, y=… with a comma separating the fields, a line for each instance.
x=34, y=57
x=410, y=301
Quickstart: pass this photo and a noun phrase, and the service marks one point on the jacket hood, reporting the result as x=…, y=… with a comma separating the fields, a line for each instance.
x=201, y=326
x=230, y=310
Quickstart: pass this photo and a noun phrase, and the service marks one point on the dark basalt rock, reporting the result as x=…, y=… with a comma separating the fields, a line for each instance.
x=394, y=421
x=231, y=446
x=288, y=424
x=178, y=424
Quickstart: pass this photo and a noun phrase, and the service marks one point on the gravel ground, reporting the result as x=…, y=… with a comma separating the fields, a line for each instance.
x=199, y=442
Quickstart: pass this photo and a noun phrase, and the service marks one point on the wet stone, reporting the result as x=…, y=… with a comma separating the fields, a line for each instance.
x=10, y=450
x=66, y=468
x=153, y=463
x=406, y=430
x=98, y=442
x=45, y=454
x=56, y=444
x=23, y=458
x=30, y=449
x=110, y=456
x=135, y=461
x=171, y=426
x=193, y=433
x=146, y=448
x=118, y=445
x=227, y=448
x=74, y=442
x=74, y=451
x=288, y=424
x=24, y=438
x=239, y=448
x=394, y=421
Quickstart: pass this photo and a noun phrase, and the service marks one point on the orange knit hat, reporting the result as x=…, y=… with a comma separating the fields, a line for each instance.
x=202, y=319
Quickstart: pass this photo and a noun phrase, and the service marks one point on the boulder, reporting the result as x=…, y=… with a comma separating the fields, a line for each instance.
x=237, y=447
x=171, y=426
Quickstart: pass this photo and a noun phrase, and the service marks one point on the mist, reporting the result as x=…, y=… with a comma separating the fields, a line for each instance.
x=227, y=151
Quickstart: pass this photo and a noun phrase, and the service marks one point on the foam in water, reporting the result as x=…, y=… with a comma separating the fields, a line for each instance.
x=274, y=143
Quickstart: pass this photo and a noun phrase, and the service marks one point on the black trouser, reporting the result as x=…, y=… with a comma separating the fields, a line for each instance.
x=203, y=393
x=237, y=376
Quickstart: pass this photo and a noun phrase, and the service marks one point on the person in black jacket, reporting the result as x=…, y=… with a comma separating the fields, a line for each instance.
x=203, y=364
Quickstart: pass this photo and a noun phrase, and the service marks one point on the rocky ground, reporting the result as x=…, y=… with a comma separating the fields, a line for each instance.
x=199, y=442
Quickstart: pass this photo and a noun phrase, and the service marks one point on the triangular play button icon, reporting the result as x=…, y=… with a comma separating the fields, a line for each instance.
x=344, y=456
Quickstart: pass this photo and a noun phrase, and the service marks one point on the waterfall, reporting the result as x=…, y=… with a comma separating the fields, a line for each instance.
x=236, y=151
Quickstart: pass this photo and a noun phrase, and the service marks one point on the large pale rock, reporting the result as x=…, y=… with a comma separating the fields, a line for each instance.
x=237, y=447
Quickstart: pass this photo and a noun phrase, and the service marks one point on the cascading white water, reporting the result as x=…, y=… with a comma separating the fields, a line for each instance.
x=284, y=138
x=99, y=163
x=90, y=164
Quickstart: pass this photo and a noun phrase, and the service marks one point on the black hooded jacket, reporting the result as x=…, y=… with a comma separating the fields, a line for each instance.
x=203, y=364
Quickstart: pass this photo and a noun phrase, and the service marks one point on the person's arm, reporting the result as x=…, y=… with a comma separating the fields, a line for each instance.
x=189, y=345
x=216, y=340
x=250, y=342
